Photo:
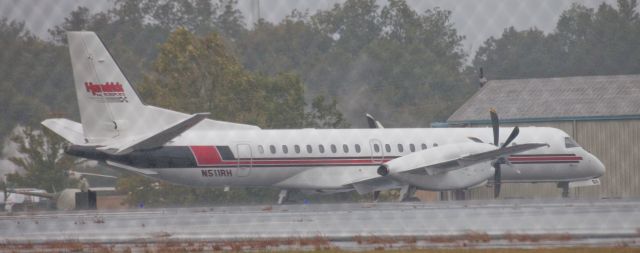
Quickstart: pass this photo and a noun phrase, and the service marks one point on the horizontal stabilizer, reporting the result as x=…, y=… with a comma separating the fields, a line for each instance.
x=156, y=139
x=130, y=168
x=67, y=129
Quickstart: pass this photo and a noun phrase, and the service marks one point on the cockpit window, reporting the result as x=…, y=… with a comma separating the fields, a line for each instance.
x=570, y=143
x=475, y=139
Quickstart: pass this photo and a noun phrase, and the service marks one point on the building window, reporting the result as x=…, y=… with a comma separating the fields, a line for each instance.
x=309, y=149
x=357, y=148
x=423, y=146
x=345, y=148
x=387, y=147
x=400, y=148
x=321, y=148
x=285, y=149
x=260, y=149
x=333, y=148
x=412, y=147
x=272, y=149
x=296, y=148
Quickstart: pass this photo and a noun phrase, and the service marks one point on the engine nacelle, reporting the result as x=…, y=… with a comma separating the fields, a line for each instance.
x=463, y=178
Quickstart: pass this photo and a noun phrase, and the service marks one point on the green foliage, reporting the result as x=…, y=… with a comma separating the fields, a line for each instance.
x=43, y=161
x=325, y=115
x=32, y=81
x=585, y=42
x=386, y=60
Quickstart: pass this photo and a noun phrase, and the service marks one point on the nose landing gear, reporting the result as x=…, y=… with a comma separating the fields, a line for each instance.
x=565, y=189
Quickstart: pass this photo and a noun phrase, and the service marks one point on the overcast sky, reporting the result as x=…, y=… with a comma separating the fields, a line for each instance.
x=477, y=20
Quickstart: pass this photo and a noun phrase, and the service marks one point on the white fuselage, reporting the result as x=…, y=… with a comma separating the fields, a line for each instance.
x=281, y=158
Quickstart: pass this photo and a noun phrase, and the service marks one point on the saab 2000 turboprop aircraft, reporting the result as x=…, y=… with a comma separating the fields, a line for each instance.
x=120, y=131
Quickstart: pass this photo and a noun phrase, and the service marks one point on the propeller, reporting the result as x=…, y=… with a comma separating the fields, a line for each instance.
x=495, y=124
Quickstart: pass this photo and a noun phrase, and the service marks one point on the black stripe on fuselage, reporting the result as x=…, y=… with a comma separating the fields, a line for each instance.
x=163, y=157
x=225, y=153
x=545, y=162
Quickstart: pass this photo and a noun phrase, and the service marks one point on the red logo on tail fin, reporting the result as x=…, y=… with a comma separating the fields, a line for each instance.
x=107, y=92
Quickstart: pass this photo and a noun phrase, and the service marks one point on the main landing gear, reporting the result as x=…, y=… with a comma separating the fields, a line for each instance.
x=407, y=193
x=283, y=196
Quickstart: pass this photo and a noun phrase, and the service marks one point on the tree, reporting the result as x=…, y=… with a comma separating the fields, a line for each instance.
x=325, y=115
x=386, y=60
x=43, y=161
x=585, y=42
x=195, y=74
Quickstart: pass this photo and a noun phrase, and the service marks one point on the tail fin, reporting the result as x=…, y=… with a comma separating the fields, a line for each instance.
x=106, y=99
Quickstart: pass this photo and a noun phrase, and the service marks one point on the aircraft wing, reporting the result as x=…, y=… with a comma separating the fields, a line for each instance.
x=472, y=159
x=102, y=189
x=32, y=193
x=436, y=161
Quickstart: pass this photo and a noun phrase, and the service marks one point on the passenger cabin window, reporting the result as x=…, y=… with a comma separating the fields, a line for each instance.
x=285, y=149
x=345, y=148
x=321, y=148
x=387, y=147
x=435, y=144
x=297, y=149
x=423, y=146
x=333, y=148
x=412, y=147
x=376, y=148
x=260, y=149
x=570, y=143
x=272, y=149
x=400, y=148
x=357, y=148
x=309, y=149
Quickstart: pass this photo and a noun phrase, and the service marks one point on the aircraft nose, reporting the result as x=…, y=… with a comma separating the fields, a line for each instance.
x=596, y=166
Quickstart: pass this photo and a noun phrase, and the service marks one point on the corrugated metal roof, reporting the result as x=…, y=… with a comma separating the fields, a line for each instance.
x=582, y=97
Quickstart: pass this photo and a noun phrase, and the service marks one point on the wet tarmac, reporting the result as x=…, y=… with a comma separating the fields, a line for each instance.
x=481, y=224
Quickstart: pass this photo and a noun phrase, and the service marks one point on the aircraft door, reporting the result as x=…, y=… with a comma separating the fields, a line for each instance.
x=377, y=154
x=245, y=159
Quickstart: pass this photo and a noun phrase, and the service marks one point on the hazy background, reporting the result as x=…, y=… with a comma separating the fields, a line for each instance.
x=477, y=20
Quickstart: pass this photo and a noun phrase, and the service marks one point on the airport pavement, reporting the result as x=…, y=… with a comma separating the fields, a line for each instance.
x=504, y=223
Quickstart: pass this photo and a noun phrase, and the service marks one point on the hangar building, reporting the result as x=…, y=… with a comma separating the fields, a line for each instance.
x=602, y=113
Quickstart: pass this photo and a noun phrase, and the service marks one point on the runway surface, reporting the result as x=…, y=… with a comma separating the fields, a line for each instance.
x=482, y=224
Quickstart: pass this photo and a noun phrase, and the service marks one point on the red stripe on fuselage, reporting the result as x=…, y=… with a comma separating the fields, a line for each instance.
x=206, y=155
x=209, y=156
x=545, y=158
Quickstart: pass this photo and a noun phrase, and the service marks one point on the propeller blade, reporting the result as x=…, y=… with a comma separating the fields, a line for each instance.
x=495, y=124
x=371, y=121
x=497, y=178
x=512, y=136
